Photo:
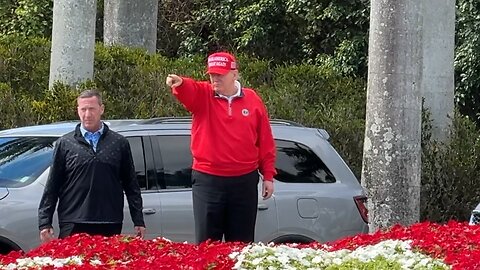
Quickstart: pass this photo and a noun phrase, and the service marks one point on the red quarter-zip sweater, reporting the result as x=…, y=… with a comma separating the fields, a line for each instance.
x=228, y=138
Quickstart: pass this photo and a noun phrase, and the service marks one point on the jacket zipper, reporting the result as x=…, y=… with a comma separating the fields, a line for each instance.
x=229, y=104
x=230, y=107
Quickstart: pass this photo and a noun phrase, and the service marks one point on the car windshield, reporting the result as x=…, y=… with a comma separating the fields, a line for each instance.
x=23, y=159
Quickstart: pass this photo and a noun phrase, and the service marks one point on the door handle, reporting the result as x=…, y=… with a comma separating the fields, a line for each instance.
x=262, y=206
x=149, y=211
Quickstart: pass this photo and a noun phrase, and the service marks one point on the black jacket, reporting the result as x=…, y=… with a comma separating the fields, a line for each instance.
x=88, y=185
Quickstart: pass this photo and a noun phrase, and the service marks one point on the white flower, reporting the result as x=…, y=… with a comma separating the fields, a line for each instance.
x=256, y=261
x=262, y=256
x=39, y=262
x=96, y=262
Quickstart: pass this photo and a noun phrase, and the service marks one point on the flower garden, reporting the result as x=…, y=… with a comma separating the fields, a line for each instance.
x=454, y=245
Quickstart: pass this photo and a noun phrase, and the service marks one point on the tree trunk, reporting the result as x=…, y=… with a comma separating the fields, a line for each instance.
x=131, y=23
x=392, y=152
x=438, y=68
x=73, y=41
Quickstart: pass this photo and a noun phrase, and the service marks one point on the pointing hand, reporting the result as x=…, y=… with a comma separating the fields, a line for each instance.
x=174, y=80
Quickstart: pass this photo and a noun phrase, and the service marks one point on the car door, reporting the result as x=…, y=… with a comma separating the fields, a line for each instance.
x=312, y=204
x=142, y=154
x=174, y=157
x=266, y=227
x=172, y=154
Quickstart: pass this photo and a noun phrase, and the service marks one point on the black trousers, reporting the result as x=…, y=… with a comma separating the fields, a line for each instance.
x=225, y=206
x=104, y=229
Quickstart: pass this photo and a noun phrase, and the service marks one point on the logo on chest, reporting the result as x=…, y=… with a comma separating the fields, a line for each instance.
x=245, y=112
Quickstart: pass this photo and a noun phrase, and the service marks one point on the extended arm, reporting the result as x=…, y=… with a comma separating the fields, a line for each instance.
x=189, y=92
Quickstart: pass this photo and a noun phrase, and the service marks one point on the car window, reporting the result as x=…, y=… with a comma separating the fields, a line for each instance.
x=176, y=161
x=296, y=163
x=23, y=159
x=138, y=155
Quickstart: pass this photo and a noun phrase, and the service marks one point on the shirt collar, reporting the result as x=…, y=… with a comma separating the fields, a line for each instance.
x=84, y=131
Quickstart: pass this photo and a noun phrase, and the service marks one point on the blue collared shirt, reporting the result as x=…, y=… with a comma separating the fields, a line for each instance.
x=92, y=137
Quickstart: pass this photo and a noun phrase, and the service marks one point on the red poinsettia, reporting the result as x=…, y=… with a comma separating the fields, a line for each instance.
x=456, y=243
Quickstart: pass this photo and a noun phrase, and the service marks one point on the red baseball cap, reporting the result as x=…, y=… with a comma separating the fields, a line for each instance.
x=221, y=63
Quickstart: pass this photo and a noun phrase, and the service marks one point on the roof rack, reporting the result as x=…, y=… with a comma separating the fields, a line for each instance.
x=168, y=120
x=187, y=120
x=283, y=122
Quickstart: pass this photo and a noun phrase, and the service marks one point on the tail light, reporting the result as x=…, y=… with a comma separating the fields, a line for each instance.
x=361, y=202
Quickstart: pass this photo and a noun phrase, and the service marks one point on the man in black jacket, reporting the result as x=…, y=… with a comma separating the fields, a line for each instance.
x=92, y=168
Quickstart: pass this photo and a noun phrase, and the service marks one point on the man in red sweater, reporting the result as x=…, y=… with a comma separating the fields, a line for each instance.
x=231, y=142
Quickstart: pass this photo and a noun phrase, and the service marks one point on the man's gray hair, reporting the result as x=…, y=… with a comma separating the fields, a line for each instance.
x=91, y=93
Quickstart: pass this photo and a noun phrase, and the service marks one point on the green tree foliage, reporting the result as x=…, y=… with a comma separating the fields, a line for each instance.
x=15, y=109
x=467, y=58
x=25, y=63
x=293, y=31
x=450, y=187
x=26, y=17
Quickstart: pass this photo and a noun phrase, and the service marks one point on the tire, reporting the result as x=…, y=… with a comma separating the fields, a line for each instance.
x=7, y=246
x=293, y=238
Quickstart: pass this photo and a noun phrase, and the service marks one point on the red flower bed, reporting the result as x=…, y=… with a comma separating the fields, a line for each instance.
x=457, y=244
x=124, y=252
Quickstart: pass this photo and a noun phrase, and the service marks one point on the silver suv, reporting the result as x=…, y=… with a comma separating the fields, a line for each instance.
x=317, y=197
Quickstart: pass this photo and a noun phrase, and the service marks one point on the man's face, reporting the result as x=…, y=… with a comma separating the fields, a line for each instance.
x=90, y=113
x=224, y=84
